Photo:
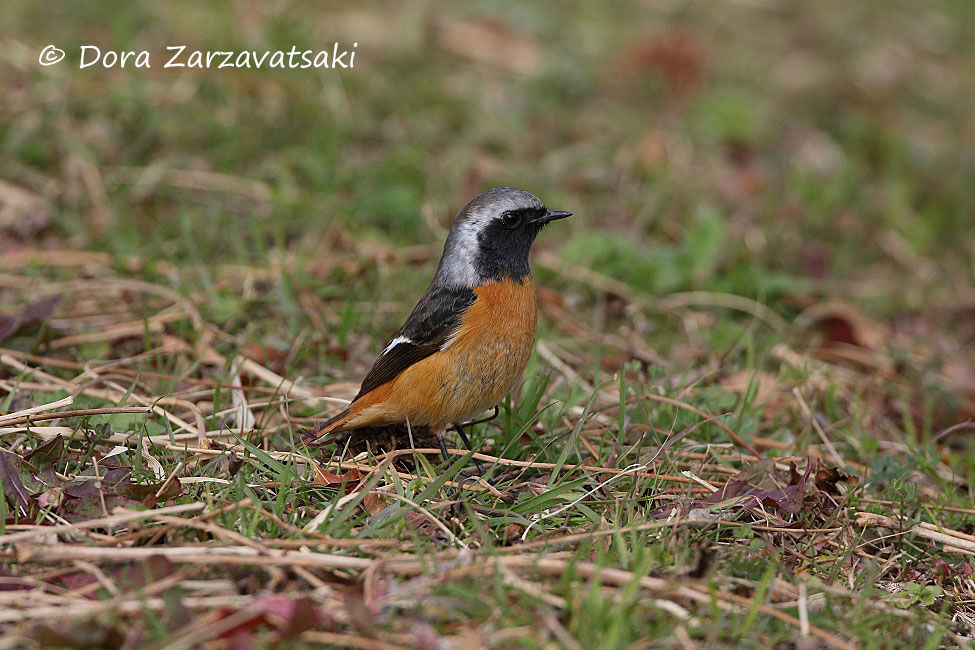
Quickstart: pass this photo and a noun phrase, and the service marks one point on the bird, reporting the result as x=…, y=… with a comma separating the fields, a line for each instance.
x=469, y=337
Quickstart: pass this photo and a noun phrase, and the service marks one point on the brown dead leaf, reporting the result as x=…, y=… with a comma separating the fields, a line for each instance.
x=85, y=500
x=828, y=477
x=960, y=381
x=326, y=478
x=676, y=56
x=843, y=323
x=350, y=481
x=23, y=215
x=512, y=534
x=35, y=312
x=77, y=634
x=490, y=43
x=287, y=616
x=653, y=149
x=13, y=470
x=266, y=356
x=426, y=527
x=234, y=463
x=373, y=503
x=738, y=383
x=758, y=485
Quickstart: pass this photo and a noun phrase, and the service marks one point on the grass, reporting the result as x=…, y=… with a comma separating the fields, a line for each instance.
x=771, y=248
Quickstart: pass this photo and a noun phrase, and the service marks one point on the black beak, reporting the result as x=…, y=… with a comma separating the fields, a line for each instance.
x=551, y=215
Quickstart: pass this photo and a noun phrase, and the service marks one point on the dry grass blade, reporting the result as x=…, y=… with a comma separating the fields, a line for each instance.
x=103, y=522
x=23, y=419
x=19, y=416
x=952, y=540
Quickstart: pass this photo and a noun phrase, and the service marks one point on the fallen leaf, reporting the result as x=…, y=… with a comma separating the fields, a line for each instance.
x=349, y=478
x=373, y=503
x=136, y=576
x=303, y=616
x=755, y=486
x=45, y=458
x=739, y=382
x=653, y=149
x=843, y=323
x=677, y=57
x=288, y=616
x=34, y=312
x=23, y=214
x=266, y=356
x=426, y=527
x=234, y=463
x=12, y=481
x=77, y=634
x=828, y=477
x=50, y=498
x=88, y=499
x=490, y=43
x=147, y=493
x=512, y=534
x=960, y=381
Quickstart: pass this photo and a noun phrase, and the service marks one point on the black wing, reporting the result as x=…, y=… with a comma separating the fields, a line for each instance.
x=434, y=319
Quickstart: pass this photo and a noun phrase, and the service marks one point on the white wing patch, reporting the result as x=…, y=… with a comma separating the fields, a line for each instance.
x=450, y=339
x=395, y=342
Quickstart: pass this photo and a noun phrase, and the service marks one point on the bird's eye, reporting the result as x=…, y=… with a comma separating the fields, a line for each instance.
x=511, y=219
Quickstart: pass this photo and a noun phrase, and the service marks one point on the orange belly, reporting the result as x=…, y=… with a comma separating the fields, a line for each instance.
x=472, y=373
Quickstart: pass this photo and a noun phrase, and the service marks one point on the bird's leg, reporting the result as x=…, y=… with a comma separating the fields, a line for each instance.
x=443, y=447
x=459, y=428
x=481, y=421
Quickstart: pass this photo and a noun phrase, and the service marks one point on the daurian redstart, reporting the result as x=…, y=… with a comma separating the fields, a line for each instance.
x=469, y=337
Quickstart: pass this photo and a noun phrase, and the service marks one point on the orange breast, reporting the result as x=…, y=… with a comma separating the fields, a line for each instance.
x=474, y=370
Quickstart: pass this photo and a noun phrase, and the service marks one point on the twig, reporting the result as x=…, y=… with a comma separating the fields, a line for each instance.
x=169, y=479
x=78, y=413
x=40, y=408
x=333, y=639
x=952, y=539
x=122, y=517
x=212, y=555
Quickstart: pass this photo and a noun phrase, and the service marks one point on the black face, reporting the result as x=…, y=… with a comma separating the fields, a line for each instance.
x=504, y=243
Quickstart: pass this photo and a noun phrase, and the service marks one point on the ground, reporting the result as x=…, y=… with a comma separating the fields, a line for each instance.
x=748, y=418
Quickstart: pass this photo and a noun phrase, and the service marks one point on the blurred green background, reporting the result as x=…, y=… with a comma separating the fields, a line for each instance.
x=774, y=223
x=757, y=147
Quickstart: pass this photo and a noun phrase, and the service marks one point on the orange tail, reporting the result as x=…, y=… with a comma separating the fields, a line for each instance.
x=350, y=418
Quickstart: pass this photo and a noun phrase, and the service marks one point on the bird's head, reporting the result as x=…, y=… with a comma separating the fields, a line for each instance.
x=491, y=236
